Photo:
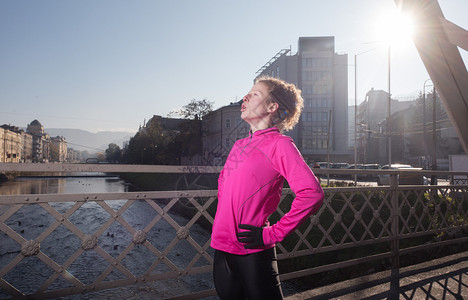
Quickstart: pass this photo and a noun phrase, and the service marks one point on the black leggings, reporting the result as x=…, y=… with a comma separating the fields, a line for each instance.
x=251, y=276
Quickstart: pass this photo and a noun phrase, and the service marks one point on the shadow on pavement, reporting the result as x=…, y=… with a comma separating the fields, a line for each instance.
x=444, y=278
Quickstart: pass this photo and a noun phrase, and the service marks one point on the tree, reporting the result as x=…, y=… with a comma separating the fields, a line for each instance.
x=187, y=142
x=101, y=156
x=195, y=109
x=149, y=145
x=113, y=153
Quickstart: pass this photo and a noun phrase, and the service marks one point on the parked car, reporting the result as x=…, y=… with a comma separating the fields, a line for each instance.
x=370, y=167
x=364, y=176
x=339, y=165
x=351, y=167
x=403, y=178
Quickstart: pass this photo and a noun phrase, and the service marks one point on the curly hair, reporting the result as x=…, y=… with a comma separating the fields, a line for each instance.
x=289, y=100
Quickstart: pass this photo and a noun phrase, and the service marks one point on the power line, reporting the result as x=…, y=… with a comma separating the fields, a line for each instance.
x=85, y=146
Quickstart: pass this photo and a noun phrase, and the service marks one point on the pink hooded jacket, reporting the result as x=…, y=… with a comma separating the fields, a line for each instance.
x=250, y=187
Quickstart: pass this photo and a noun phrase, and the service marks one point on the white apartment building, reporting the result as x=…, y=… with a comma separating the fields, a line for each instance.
x=10, y=144
x=60, y=145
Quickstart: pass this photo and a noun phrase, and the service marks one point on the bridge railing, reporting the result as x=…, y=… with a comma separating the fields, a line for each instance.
x=157, y=242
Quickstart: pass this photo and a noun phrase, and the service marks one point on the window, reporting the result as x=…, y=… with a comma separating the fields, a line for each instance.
x=316, y=75
x=316, y=62
x=324, y=103
x=277, y=72
x=307, y=143
x=307, y=89
x=316, y=103
x=319, y=89
x=324, y=116
x=228, y=143
x=228, y=123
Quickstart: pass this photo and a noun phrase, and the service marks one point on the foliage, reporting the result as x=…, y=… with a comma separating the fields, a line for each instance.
x=101, y=156
x=188, y=141
x=113, y=153
x=156, y=145
x=147, y=146
x=420, y=120
x=166, y=145
x=195, y=110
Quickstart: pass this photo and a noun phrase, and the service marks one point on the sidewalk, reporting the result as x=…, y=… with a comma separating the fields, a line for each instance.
x=443, y=278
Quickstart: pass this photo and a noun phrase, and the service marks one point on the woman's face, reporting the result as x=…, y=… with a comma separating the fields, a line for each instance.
x=256, y=109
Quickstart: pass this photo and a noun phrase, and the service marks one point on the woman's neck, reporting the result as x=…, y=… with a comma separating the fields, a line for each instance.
x=260, y=126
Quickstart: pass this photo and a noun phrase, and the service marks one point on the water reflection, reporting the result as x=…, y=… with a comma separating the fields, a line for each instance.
x=63, y=185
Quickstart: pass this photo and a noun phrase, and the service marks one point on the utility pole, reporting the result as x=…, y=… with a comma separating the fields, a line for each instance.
x=328, y=146
x=426, y=163
x=434, y=138
x=389, y=137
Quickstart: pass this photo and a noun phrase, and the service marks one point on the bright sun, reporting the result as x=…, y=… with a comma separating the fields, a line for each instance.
x=395, y=28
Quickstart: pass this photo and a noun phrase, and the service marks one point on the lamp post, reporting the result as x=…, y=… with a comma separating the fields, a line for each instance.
x=424, y=122
x=434, y=137
x=389, y=139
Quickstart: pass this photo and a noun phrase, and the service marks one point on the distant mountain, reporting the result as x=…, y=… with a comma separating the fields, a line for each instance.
x=92, y=142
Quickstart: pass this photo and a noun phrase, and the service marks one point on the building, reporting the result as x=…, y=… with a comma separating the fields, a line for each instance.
x=372, y=115
x=11, y=144
x=322, y=76
x=73, y=156
x=27, y=147
x=2, y=147
x=59, y=145
x=41, y=142
x=221, y=128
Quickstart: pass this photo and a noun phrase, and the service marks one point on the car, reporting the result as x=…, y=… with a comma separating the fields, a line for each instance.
x=339, y=165
x=403, y=178
x=370, y=167
x=363, y=175
x=351, y=167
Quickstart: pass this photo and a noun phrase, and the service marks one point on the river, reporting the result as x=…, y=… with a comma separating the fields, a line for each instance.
x=94, y=183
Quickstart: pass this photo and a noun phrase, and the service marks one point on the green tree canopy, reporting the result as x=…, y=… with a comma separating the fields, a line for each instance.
x=113, y=153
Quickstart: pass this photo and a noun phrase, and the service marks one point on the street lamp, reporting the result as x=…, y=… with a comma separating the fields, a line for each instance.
x=424, y=121
x=434, y=137
x=389, y=138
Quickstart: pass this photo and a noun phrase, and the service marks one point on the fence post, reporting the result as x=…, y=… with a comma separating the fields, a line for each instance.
x=395, y=247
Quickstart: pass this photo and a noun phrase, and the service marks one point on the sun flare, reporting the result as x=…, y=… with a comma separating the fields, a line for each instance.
x=394, y=28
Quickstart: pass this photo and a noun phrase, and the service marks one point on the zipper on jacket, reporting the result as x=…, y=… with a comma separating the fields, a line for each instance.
x=251, y=135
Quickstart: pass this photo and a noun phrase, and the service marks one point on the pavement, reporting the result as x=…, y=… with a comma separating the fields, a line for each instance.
x=443, y=278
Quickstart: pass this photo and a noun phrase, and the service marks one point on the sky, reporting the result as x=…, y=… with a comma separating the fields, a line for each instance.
x=109, y=65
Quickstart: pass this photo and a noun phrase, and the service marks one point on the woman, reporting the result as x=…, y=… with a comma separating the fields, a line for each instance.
x=249, y=190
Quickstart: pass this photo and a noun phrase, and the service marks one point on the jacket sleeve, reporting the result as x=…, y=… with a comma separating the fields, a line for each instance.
x=289, y=162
